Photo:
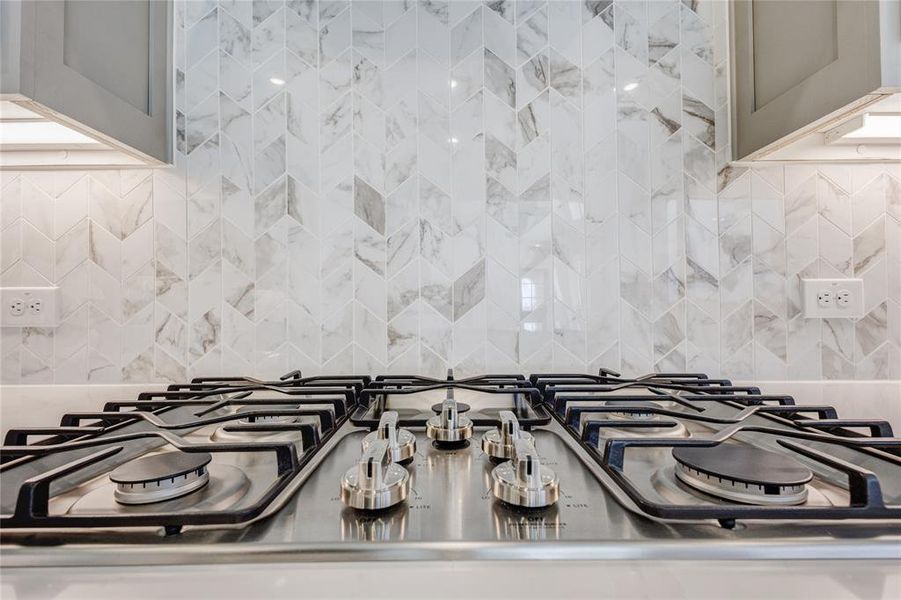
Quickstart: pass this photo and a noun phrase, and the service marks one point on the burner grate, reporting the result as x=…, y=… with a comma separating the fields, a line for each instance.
x=572, y=397
x=156, y=420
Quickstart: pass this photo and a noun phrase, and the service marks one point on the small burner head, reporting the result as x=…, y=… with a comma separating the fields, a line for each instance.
x=160, y=477
x=743, y=474
x=636, y=414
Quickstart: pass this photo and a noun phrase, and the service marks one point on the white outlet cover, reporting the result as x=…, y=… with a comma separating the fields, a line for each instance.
x=48, y=317
x=812, y=288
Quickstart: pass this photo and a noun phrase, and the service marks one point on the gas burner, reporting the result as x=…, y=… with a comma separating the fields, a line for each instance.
x=630, y=414
x=257, y=427
x=160, y=477
x=666, y=430
x=267, y=419
x=743, y=474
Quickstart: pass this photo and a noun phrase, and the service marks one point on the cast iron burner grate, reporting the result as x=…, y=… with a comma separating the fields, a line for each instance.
x=823, y=440
x=156, y=420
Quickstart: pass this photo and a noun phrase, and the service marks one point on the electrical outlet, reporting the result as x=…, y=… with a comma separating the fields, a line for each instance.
x=829, y=298
x=29, y=306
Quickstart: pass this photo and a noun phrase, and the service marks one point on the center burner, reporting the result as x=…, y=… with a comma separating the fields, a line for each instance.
x=160, y=477
x=743, y=474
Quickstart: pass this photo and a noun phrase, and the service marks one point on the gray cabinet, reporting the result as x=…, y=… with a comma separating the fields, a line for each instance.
x=102, y=67
x=796, y=63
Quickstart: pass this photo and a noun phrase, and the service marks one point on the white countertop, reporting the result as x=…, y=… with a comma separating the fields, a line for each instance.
x=459, y=580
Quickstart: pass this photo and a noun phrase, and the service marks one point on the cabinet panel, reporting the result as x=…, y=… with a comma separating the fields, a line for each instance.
x=106, y=64
x=795, y=61
x=799, y=40
x=115, y=58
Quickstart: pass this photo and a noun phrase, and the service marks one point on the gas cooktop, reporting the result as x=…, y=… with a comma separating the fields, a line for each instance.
x=667, y=465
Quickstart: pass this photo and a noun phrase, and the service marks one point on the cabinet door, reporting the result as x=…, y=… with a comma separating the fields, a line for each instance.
x=106, y=64
x=796, y=61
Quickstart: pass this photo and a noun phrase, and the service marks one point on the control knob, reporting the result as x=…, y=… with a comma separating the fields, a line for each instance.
x=375, y=482
x=498, y=443
x=449, y=427
x=523, y=481
x=401, y=442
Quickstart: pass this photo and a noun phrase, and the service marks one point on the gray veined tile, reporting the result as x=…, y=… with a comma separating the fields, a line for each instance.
x=302, y=38
x=800, y=204
x=503, y=8
x=334, y=37
x=833, y=203
x=269, y=122
x=268, y=37
x=531, y=36
x=770, y=288
x=770, y=331
x=835, y=246
x=234, y=38
x=735, y=245
x=269, y=79
x=663, y=34
x=269, y=164
x=893, y=197
x=598, y=36
x=699, y=120
x=436, y=289
x=734, y=202
x=737, y=329
x=235, y=80
x=533, y=120
x=666, y=162
x=802, y=246
x=369, y=205
x=436, y=246
x=631, y=33
x=697, y=35
x=469, y=290
x=400, y=124
x=668, y=288
x=500, y=78
x=402, y=289
x=871, y=331
x=306, y=9
x=202, y=38
x=502, y=205
x=400, y=36
x=636, y=287
x=565, y=77
x=336, y=121
x=835, y=366
x=593, y=8
x=466, y=37
x=402, y=205
x=368, y=33
x=269, y=207
x=669, y=331
x=500, y=162
x=369, y=248
x=668, y=246
x=531, y=79
x=434, y=34
x=768, y=245
x=402, y=248
x=634, y=202
x=869, y=246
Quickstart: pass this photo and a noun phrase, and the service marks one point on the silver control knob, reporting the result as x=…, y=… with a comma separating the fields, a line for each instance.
x=375, y=482
x=498, y=443
x=523, y=481
x=401, y=442
x=449, y=427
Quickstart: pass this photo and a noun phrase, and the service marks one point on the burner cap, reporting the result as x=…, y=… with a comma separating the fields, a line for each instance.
x=743, y=474
x=160, y=477
x=462, y=407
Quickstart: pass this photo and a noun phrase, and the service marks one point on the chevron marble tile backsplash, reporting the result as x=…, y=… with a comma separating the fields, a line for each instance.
x=402, y=186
